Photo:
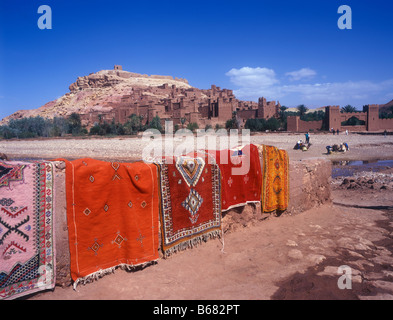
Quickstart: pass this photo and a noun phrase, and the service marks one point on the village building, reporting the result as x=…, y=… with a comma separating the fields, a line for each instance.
x=205, y=107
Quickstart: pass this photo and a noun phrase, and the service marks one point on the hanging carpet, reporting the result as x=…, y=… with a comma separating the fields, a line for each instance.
x=241, y=175
x=190, y=192
x=27, y=262
x=112, y=213
x=275, y=186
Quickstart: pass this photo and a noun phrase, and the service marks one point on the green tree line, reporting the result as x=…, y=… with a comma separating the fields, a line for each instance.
x=280, y=123
x=33, y=127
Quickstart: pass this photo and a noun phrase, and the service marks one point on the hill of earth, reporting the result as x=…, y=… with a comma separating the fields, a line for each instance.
x=97, y=91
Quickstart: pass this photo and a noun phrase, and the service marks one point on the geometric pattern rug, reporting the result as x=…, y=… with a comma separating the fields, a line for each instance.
x=112, y=215
x=190, y=191
x=275, y=186
x=27, y=263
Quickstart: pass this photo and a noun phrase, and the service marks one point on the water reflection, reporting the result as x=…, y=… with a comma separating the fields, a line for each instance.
x=386, y=163
x=348, y=168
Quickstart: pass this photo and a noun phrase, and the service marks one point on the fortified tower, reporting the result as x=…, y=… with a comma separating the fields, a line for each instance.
x=333, y=117
x=372, y=117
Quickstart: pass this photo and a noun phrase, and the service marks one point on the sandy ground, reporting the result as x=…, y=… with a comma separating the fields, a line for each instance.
x=285, y=257
x=362, y=147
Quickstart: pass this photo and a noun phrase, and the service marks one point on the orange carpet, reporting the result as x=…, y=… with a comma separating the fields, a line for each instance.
x=112, y=213
x=275, y=184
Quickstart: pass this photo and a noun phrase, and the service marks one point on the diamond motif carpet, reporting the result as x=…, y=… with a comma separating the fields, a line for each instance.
x=112, y=213
x=26, y=228
x=190, y=192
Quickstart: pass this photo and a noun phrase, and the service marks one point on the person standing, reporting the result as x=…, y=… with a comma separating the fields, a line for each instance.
x=308, y=137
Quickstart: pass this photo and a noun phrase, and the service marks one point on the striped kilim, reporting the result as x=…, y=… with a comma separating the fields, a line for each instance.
x=26, y=228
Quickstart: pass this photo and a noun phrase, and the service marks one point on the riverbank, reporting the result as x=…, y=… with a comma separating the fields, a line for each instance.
x=361, y=147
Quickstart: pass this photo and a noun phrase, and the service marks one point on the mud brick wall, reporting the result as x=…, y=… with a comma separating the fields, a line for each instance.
x=309, y=184
x=294, y=124
x=309, y=187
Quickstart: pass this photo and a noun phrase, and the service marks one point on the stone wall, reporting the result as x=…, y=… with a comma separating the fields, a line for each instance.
x=309, y=184
x=385, y=124
x=334, y=118
x=294, y=124
x=370, y=116
x=353, y=128
x=309, y=187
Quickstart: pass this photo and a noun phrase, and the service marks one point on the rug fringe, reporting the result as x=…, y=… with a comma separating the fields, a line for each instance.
x=191, y=243
x=100, y=273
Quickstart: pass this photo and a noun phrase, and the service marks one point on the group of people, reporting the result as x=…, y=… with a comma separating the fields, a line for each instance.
x=304, y=146
x=343, y=147
x=338, y=131
x=300, y=145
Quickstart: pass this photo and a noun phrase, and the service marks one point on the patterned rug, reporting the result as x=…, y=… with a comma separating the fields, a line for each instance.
x=275, y=186
x=27, y=262
x=112, y=213
x=241, y=175
x=190, y=202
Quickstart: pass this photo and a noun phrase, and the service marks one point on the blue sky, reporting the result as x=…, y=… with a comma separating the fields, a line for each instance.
x=291, y=51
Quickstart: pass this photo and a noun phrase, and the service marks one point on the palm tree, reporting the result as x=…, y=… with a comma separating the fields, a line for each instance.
x=348, y=109
x=282, y=111
x=283, y=108
x=302, y=109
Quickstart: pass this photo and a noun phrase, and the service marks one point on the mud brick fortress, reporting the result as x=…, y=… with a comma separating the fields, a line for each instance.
x=334, y=119
x=115, y=95
x=175, y=100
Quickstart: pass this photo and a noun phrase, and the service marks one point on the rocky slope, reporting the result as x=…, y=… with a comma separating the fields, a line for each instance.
x=97, y=91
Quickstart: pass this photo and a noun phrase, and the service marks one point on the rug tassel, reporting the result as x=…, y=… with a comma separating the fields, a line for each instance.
x=192, y=243
x=100, y=273
x=223, y=241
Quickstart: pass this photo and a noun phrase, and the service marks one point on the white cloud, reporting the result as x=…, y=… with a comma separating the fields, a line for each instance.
x=337, y=91
x=252, y=77
x=304, y=73
x=262, y=82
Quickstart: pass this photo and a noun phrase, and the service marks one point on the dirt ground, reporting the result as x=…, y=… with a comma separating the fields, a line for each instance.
x=285, y=257
x=362, y=147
